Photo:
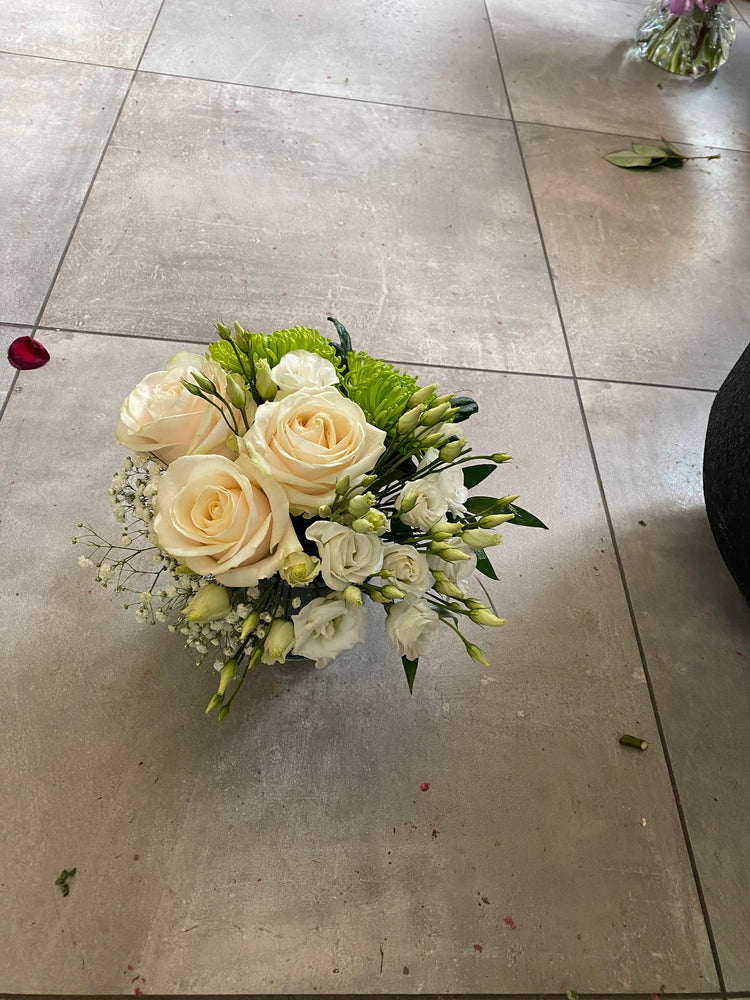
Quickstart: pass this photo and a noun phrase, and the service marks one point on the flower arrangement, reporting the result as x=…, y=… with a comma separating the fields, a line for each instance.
x=686, y=37
x=281, y=481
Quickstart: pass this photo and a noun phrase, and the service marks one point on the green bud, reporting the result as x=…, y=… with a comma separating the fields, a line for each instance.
x=250, y=624
x=504, y=501
x=422, y=395
x=216, y=699
x=450, y=452
x=209, y=603
x=359, y=506
x=353, y=595
x=224, y=332
x=192, y=388
x=408, y=503
x=477, y=538
x=342, y=486
x=432, y=439
x=324, y=510
x=485, y=617
x=241, y=338
x=374, y=522
x=265, y=385
x=227, y=675
x=447, y=528
x=205, y=383
x=236, y=392
x=278, y=641
x=492, y=520
x=448, y=552
x=375, y=595
x=392, y=593
x=443, y=399
x=474, y=605
x=435, y=415
x=476, y=654
x=501, y=457
x=223, y=712
x=366, y=481
x=409, y=420
x=444, y=585
x=298, y=568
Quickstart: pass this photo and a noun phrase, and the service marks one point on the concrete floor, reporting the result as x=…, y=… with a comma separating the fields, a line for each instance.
x=431, y=173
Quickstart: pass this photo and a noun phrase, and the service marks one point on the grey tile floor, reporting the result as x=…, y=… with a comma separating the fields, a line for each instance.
x=430, y=173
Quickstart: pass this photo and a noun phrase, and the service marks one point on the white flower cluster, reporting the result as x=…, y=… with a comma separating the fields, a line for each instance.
x=274, y=499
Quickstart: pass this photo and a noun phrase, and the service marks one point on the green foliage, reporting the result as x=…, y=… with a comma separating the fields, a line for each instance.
x=644, y=156
x=475, y=474
x=380, y=389
x=410, y=669
x=484, y=565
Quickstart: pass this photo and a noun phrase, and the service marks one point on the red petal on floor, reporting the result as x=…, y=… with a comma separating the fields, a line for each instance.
x=26, y=353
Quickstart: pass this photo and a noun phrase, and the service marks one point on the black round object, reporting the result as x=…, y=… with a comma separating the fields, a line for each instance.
x=726, y=472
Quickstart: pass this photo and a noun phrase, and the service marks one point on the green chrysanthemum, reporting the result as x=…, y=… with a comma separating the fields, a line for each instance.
x=381, y=390
x=273, y=347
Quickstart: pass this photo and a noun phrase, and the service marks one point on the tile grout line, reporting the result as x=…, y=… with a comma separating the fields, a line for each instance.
x=616, y=550
x=359, y=100
x=95, y=174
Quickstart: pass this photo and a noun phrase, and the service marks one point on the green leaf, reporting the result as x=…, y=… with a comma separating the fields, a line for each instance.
x=652, y=151
x=410, y=669
x=627, y=158
x=475, y=474
x=484, y=565
x=481, y=506
x=524, y=518
x=672, y=149
x=466, y=407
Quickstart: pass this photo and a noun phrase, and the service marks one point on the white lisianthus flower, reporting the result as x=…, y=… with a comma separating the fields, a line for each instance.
x=411, y=625
x=310, y=440
x=298, y=568
x=459, y=570
x=436, y=494
x=327, y=626
x=408, y=567
x=279, y=641
x=229, y=519
x=302, y=370
x=347, y=556
x=161, y=417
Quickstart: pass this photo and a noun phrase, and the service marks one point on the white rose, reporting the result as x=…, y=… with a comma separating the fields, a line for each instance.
x=160, y=416
x=309, y=440
x=436, y=494
x=229, y=519
x=326, y=627
x=347, y=556
x=459, y=570
x=408, y=567
x=411, y=625
x=302, y=370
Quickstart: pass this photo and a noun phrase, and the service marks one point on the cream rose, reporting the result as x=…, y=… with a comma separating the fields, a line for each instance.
x=326, y=627
x=302, y=370
x=309, y=440
x=408, y=568
x=346, y=556
x=229, y=519
x=411, y=625
x=160, y=416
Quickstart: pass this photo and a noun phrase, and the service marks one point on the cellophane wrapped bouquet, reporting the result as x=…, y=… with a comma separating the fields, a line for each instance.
x=282, y=482
x=686, y=37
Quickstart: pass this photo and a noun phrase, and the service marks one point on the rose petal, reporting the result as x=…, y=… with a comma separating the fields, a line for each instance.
x=26, y=353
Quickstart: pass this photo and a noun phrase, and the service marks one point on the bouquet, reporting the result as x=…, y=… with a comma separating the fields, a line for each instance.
x=686, y=37
x=281, y=484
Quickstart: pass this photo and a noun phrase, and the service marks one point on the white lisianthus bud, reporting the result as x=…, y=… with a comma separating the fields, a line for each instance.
x=360, y=505
x=430, y=440
x=422, y=395
x=278, y=641
x=503, y=501
x=236, y=392
x=250, y=624
x=435, y=415
x=264, y=383
x=324, y=510
x=299, y=568
x=443, y=585
x=342, y=485
x=227, y=675
x=373, y=523
x=447, y=552
x=477, y=538
x=501, y=457
x=216, y=699
x=209, y=603
x=483, y=616
x=492, y=520
x=353, y=595
x=409, y=420
x=476, y=654
x=392, y=593
x=450, y=452
x=408, y=502
x=445, y=528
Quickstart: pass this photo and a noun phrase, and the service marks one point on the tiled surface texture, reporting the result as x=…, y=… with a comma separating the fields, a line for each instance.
x=110, y=32
x=643, y=260
x=578, y=69
x=418, y=53
x=256, y=854
x=7, y=335
x=695, y=628
x=217, y=201
x=365, y=161
x=56, y=119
